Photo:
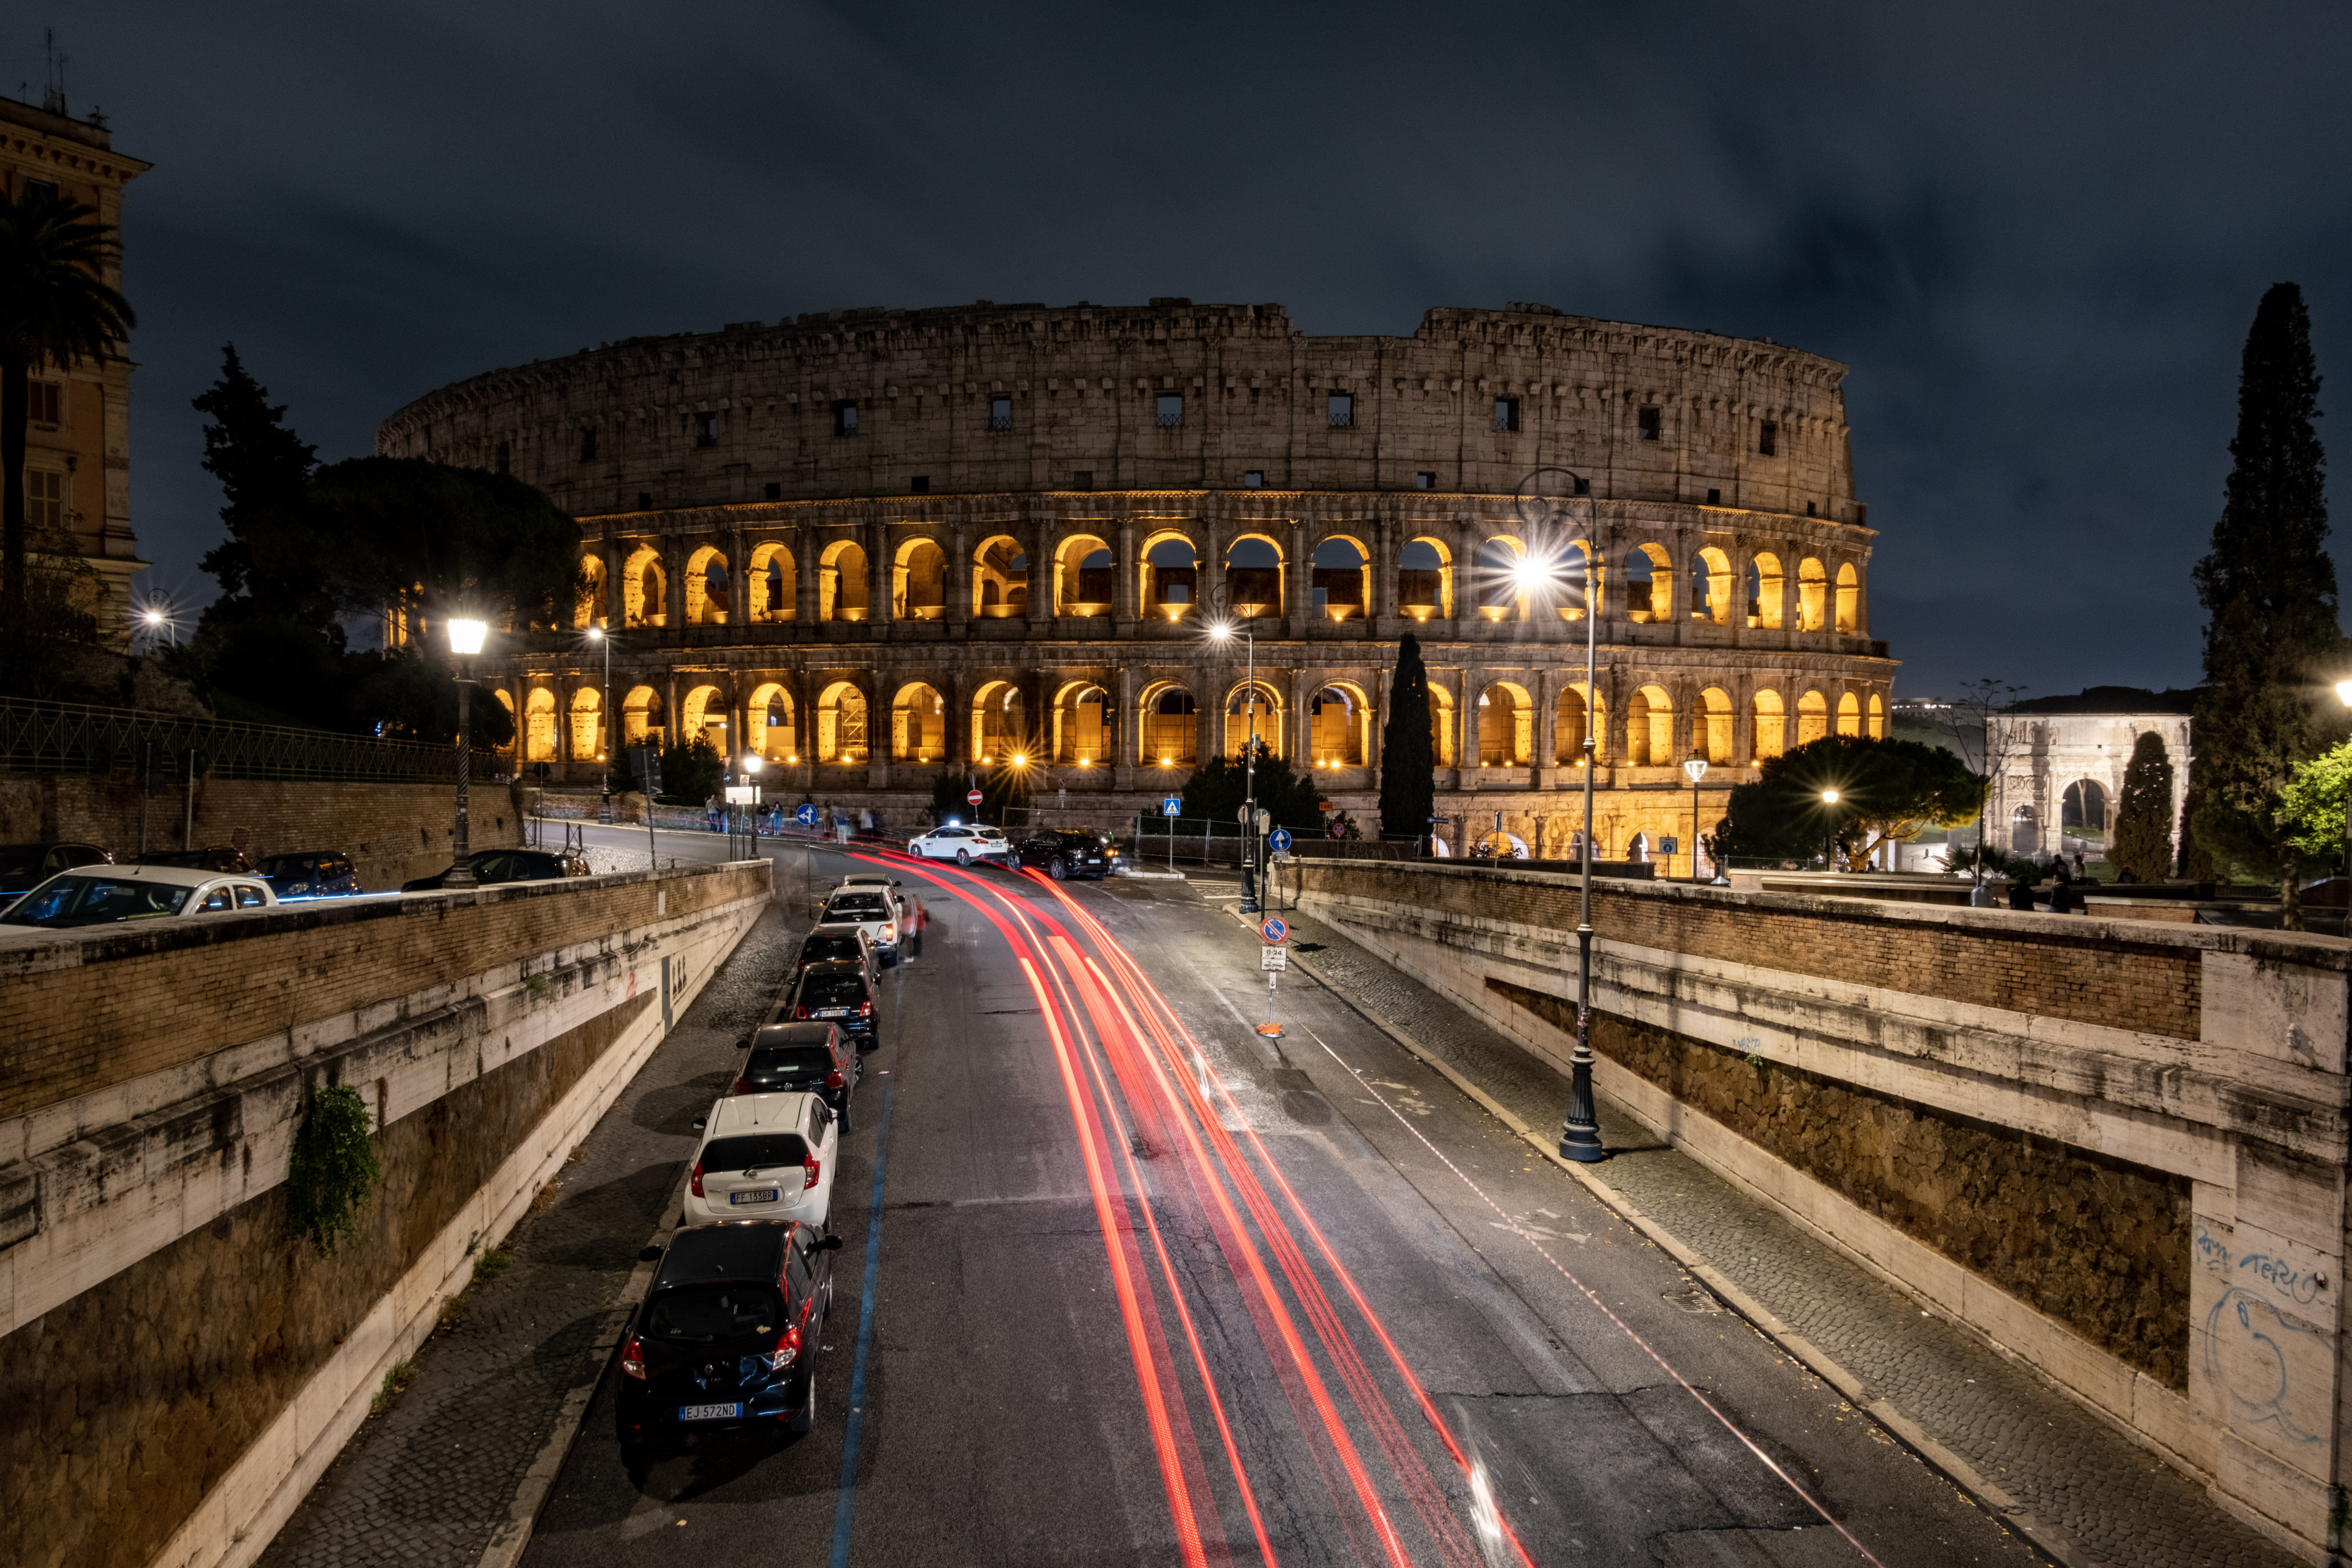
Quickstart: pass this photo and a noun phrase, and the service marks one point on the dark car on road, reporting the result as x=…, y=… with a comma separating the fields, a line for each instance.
x=842, y=994
x=492, y=867
x=843, y=943
x=1062, y=855
x=814, y=1058
x=24, y=867
x=729, y=1334
x=311, y=874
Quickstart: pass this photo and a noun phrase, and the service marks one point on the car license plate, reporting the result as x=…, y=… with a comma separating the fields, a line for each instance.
x=767, y=1196
x=833, y=1012
x=709, y=1412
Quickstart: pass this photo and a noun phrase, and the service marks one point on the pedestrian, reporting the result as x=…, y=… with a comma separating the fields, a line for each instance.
x=711, y=809
x=2080, y=875
x=864, y=822
x=918, y=918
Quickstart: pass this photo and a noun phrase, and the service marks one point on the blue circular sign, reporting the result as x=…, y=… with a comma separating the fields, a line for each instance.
x=1281, y=838
x=806, y=816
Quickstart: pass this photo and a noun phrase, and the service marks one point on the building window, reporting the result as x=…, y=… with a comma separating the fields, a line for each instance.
x=1646, y=424
x=1082, y=480
x=645, y=501
x=844, y=419
x=1767, y=439
x=1342, y=408
x=1715, y=497
x=1254, y=478
x=920, y=484
x=1172, y=411
x=45, y=498
x=705, y=429
x=1506, y=413
x=41, y=188
x=587, y=446
x=503, y=457
x=1000, y=414
x=1808, y=508
x=1424, y=480
x=774, y=491
x=46, y=405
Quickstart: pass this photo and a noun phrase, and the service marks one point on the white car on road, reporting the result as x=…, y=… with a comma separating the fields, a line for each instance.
x=961, y=844
x=120, y=895
x=765, y=1156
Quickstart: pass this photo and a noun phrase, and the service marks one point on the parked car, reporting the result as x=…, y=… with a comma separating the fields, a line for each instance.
x=492, y=867
x=769, y=1156
x=812, y=1059
x=1062, y=855
x=104, y=895
x=959, y=843
x=878, y=909
x=729, y=1331
x=311, y=874
x=218, y=858
x=24, y=867
x=846, y=942
x=840, y=994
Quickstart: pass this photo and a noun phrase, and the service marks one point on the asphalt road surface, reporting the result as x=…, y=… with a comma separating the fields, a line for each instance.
x=1125, y=1283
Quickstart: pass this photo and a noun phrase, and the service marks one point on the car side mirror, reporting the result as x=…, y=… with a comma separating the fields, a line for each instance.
x=830, y=1244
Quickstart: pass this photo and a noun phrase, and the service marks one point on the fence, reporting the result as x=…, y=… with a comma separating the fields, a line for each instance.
x=62, y=737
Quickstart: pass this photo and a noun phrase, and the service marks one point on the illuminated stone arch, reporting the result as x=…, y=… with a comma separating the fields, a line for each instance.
x=1425, y=580
x=538, y=726
x=709, y=587
x=775, y=735
x=2083, y=814
x=1849, y=715
x=1085, y=577
x=1000, y=579
x=1495, y=578
x=644, y=719
x=1650, y=729
x=919, y=724
x=1252, y=706
x=588, y=606
x=1878, y=717
x=1580, y=574
x=1812, y=592
x=1849, y=599
x=1764, y=592
x=1084, y=722
x=587, y=729
x=843, y=582
x=1341, y=578
x=1168, y=582
x=1255, y=577
x=1649, y=583
x=1712, y=737
x=1442, y=728
x=1569, y=728
x=1812, y=718
x=1710, y=586
x=999, y=723
x=919, y=582
x=773, y=589
x=1506, y=726
x=840, y=724
x=1170, y=727
x=1769, y=718
x=1341, y=720
x=701, y=710
x=644, y=588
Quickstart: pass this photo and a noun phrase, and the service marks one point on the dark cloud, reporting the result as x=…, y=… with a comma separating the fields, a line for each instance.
x=2037, y=235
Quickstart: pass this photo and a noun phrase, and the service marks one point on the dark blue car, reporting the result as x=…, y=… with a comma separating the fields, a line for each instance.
x=24, y=867
x=311, y=874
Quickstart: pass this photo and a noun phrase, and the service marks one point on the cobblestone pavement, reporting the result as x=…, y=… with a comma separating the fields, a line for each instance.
x=2066, y=1466
x=426, y=1483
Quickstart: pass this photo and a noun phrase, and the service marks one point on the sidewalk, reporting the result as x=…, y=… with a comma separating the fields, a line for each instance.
x=2054, y=1472
x=428, y=1482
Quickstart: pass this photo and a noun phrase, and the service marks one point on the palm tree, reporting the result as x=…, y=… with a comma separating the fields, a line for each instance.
x=55, y=308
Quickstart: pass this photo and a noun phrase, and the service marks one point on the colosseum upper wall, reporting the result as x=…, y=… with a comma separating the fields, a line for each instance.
x=868, y=542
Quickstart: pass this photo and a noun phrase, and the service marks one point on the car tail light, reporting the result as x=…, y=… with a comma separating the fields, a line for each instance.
x=787, y=1350
x=696, y=1180
x=889, y=931
x=813, y=1168
x=632, y=1359
x=834, y=1079
x=865, y=1009
x=800, y=1012
x=743, y=1086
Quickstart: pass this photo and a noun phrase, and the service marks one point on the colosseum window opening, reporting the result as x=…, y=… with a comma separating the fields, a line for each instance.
x=999, y=723
x=538, y=726
x=705, y=429
x=1172, y=727
x=1170, y=577
x=1340, y=410
x=1340, y=578
x=1425, y=479
x=841, y=725
x=1169, y=410
x=1000, y=580
x=775, y=577
x=1423, y=589
x=842, y=583
x=1767, y=439
x=1812, y=590
x=587, y=725
x=1253, y=479
x=1084, y=577
x=1650, y=729
x=644, y=589
x=589, y=607
x=643, y=722
x=1495, y=569
x=1714, y=498
x=1506, y=727
x=1254, y=577
x=844, y=419
x=1812, y=718
x=1849, y=594
x=1710, y=586
x=918, y=588
x=919, y=485
x=1878, y=717
x=1648, y=425
x=1082, y=479
x=1506, y=413
x=1714, y=740
x=1770, y=735
x=1000, y=414
x=1764, y=592
x=1441, y=726
x=774, y=733
x=1341, y=724
x=772, y=490
x=1849, y=719
x=919, y=724
x=1081, y=725
x=587, y=445
x=1649, y=583
x=708, y=597
x=1253, y=710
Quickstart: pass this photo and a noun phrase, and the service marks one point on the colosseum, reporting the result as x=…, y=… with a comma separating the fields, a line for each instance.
x=870, y=544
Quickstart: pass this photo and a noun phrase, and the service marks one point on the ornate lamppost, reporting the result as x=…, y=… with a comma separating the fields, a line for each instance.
x=1220, y=629
x=465, y=641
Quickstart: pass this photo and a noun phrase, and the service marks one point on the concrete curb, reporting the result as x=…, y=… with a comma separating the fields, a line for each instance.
x=2054, y=1541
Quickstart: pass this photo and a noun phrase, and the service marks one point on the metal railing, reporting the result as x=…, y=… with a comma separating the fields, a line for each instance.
x=62, y=737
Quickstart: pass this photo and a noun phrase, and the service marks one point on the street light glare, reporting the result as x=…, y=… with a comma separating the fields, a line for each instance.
x=1830, y=797
x=156, y=618
x=466, y=637
x=596, y=634
x=2343, y=692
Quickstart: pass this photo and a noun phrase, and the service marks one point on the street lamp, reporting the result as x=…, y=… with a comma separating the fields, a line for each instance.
x=1697, y=768
x=1537, y=571
x=1829, y=845
x=605, y=727
x=1220, y=629
x=465, y=641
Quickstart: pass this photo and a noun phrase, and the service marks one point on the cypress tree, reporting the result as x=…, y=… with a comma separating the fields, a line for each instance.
x=2142, y=846
x=263, y=468
x=1407, y=768
x=2269, y=592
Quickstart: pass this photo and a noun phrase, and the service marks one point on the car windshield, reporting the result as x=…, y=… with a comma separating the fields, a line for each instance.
x=754, y=1151
x=844, y=945
x=95, y=900
x=722, y=1310
x=858, y=907
x=790, y=1061
x=832, y=990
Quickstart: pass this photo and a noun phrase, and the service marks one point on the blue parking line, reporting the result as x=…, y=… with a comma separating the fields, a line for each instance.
x=846, y=1506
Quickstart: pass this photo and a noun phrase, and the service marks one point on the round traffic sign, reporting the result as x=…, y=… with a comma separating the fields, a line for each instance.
x=973, y=798
x=1274, y=928
x=1281, y=839
x=806, y=816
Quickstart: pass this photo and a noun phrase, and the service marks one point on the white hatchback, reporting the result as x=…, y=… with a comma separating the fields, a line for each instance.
x=961, y=844
x=118, y=895
x=765, y=1156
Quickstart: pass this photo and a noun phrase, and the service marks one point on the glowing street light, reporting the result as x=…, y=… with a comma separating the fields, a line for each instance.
x=466, y=639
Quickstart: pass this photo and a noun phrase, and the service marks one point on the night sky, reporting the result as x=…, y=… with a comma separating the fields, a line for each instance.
x=2037, y=234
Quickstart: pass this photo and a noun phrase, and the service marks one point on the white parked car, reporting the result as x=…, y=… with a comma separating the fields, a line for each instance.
x=112, y=895
x=961, y=844
x=765, y=1156
x=879, y=910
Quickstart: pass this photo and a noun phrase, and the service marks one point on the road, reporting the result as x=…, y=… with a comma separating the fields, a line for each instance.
x=1148, y=1287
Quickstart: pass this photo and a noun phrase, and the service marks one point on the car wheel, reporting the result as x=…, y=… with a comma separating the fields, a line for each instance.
x=1055, y=869
x=963, y=856
x=806, y=1419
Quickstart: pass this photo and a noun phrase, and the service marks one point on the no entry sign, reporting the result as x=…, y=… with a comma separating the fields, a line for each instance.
x=973, y=797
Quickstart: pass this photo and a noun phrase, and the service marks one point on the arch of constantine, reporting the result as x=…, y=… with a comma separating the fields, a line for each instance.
x=867, y=545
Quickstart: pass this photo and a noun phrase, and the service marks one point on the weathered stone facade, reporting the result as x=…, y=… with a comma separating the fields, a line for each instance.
x=867, y=542
x=2060, y=777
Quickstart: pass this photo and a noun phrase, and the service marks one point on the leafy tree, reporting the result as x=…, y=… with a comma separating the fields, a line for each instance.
x=2314, y=804
x=1408, y=767
x=1005, y=792
x=56, y=309
x=421, y=535
x=948, y=792
x=2142, y=847
x=2196, y=863
x=1219, y=787
x=267, y=565
x=2269, y=592
x=1886, y=790
x=413, y=692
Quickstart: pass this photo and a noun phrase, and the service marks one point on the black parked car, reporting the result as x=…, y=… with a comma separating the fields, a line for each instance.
x=24, y=867
x=845, y=942
x=817, y=1058
x=1063, y=855
x=728, y=1333
x=312, y=874
x=492, y=867
x=843, y=994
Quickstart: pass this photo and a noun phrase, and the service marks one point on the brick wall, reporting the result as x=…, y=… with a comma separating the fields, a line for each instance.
x=392, y=831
